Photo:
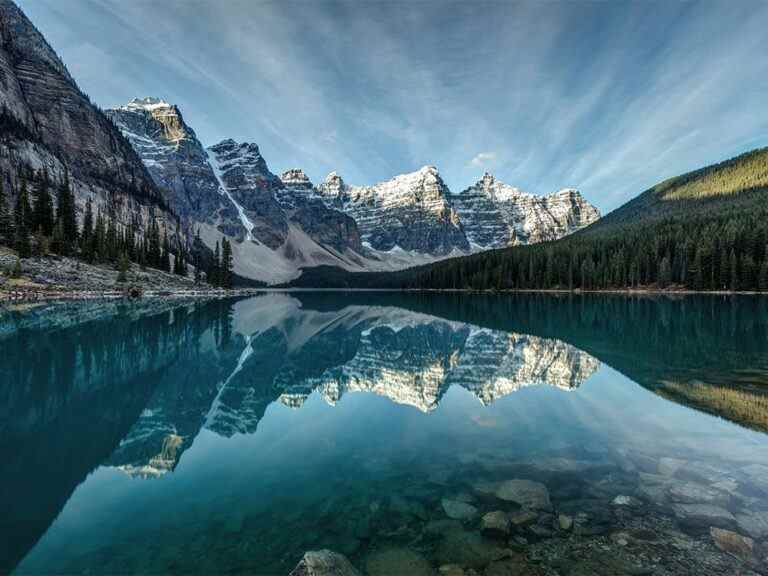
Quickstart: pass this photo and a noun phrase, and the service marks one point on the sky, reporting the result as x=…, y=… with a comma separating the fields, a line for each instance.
x=606, y=97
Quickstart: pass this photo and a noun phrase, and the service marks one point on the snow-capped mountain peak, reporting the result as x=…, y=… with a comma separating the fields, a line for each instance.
x=149, y=103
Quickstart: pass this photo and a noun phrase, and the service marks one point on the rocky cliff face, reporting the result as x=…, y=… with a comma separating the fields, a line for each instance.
x=411, y=212
x=54, y=126
x=277, y=226
x=174, y=157
x=496, y=215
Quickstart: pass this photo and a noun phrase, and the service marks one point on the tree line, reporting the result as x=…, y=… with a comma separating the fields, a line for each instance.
x=43, y=220
x=707, y=251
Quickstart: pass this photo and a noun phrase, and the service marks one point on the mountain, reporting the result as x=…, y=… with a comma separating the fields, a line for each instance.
x=411, y=212
x=48, y=123
x=739, y=184
x=496, y=215
x=228, y=191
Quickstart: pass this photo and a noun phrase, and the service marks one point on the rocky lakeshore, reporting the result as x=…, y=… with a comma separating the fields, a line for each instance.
x=610, y=513
x=62, y=278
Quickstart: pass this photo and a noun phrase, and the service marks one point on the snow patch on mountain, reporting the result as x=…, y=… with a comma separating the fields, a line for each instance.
x=246, y=222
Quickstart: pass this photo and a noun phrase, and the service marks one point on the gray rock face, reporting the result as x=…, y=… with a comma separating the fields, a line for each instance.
x=495, y=215
x=412, y=212
x=324, y=563
x=61, y=131
x=250, y=184
x=175, y=158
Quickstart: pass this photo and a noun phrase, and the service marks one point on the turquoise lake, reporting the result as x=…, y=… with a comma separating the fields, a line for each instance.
x=615, y=434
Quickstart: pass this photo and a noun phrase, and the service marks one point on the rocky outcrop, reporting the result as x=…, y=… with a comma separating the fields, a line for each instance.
x=496, y=215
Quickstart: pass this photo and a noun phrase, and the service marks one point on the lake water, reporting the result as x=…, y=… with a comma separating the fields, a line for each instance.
x=615, y=435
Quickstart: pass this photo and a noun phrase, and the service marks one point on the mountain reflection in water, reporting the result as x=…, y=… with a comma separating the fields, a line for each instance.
x=131, y=387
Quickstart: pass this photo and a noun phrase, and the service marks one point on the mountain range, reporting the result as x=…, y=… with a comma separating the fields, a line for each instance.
x=282, y=224
x=142, y=162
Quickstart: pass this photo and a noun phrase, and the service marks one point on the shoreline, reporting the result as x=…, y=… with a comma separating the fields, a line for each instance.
x=19, y=296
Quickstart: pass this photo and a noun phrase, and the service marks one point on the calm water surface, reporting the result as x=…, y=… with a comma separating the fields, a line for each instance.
x=234, y=435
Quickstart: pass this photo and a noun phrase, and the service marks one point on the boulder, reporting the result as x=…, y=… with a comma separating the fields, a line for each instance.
x=733, y=543
x=324, y=563
x=754, y=523
x=495, y=524
x=458, y=510
x=523, y=517
x=692, y=492
x=526, y=493
x=564, y=522
x=702, y=516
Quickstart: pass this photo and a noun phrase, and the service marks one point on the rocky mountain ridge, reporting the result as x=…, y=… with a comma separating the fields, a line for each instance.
x=281, y=225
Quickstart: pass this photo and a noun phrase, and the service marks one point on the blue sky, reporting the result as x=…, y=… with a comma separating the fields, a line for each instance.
x=607, y=97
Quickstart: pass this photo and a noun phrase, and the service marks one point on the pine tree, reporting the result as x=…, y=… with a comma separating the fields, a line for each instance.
x=762, y=282
x=152, y=242
x=43, y=218
x=21, y=216
x=123, y=266
x=86, y=238
x=734, y=271
x=665, y=272
x=65, y=215
x=213, y=268
x=98, y=243
x=165, y=258
x=226, y=264
x=6, y=221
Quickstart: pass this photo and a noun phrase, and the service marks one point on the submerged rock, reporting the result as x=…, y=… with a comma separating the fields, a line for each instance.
x=458, y=510
x=401, y=561
x=733, y=543
x=623, y=500
x=451, y=570
x=495, y=524
x=523, y=517
x=692, y=492
x=467, y=549
x=526, y=493
x=670, y=466
x=565, y=522
x=702, y=516
x=324, y=563
x=754, y=523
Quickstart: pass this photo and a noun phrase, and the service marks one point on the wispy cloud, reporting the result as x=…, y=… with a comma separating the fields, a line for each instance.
x=606, y=97
x=484, y=160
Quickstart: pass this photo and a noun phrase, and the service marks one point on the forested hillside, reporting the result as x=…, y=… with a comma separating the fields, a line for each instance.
x=705, y=230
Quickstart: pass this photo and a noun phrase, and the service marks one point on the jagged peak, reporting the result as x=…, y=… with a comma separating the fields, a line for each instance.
x=333, y=177
x=295, y=176
x=429, y=169
x=148, y=103
x=229, y=144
